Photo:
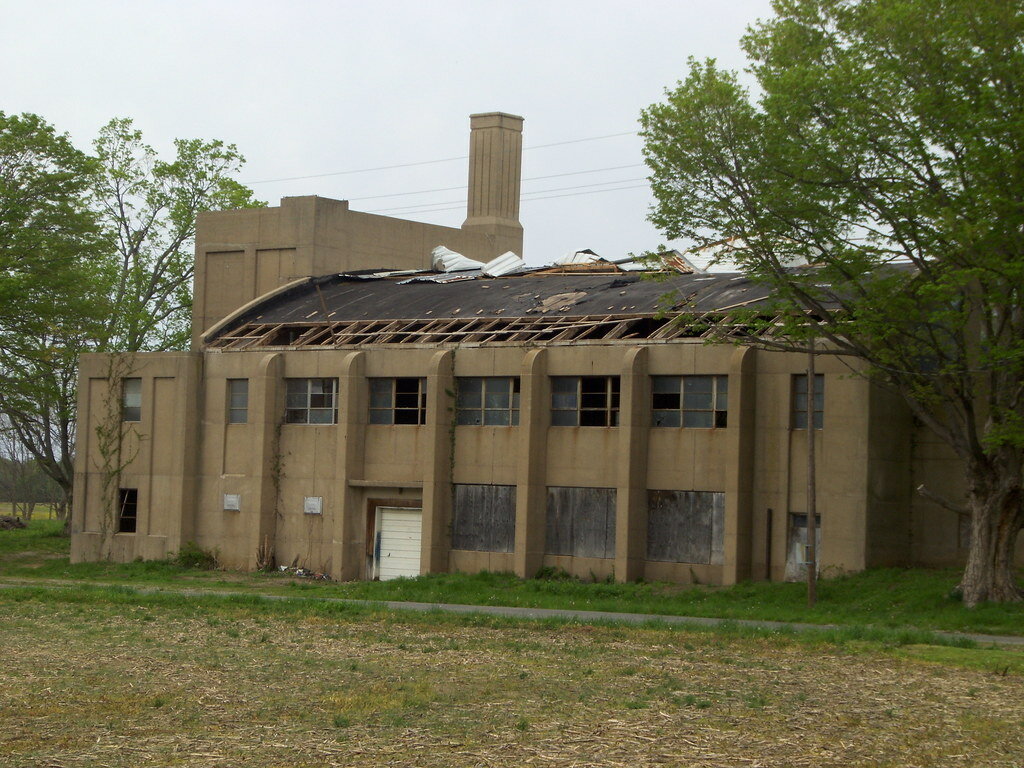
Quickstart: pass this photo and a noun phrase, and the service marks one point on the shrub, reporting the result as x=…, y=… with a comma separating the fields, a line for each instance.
x=191, y=555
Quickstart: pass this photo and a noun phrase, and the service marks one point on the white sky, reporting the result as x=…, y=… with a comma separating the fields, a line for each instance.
x=314, y=87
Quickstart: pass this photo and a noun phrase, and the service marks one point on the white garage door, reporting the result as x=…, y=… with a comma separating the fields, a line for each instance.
x=400, y=532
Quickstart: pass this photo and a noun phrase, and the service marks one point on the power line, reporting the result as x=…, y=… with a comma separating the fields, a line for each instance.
x=528, y=200
x=537, y=192
x=579, y=141
x=463, y=186
x=433, y=162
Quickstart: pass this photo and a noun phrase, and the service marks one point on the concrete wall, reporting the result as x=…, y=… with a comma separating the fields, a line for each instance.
x=184, y=457
x=243, y=254
x=157, y=455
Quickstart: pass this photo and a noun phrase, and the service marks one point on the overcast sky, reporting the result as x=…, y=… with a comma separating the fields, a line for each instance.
x=314, y=89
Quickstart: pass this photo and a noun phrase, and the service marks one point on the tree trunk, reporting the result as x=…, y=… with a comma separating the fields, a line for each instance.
x=995, y=500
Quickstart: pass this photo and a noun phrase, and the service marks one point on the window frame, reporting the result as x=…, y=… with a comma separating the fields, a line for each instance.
x=390, y=398
x=235, y=413
x=487, y=416
x=131, y=399
x=127, y=499
x=576, y=406
x=676, y=412
x=798, y=401
x=299, y=396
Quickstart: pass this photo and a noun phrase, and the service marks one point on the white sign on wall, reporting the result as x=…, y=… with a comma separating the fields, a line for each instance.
x=233, y=501
x=313, y=505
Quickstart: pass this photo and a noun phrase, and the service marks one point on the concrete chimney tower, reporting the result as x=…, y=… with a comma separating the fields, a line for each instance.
x=495, y=169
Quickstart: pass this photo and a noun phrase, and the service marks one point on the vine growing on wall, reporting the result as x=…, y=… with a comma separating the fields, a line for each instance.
x=111, y=457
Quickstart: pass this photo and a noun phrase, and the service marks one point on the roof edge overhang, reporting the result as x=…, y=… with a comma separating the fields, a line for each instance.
x=206, y=336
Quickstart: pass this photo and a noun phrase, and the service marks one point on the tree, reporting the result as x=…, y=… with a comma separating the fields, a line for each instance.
x=885, y=146
x=149, y=208
x=22, y=482
x=52, y=288
x=95, y=254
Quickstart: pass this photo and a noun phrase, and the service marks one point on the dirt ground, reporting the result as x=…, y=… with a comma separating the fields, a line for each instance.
x=107, y=685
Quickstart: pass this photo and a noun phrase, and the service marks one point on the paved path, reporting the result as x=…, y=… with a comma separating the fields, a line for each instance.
x=507, y=611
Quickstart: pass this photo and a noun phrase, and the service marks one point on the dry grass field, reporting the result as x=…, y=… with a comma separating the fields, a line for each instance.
x=103, y=680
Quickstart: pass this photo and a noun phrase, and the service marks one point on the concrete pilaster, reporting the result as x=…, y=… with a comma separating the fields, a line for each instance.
x=349, y=524
x=266, y=409
x=739, y=481
x=631, y=487
x=531, y=472
x=186, y=437
x=437, y=484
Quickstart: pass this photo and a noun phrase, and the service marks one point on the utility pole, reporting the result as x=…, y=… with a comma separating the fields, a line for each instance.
x=812, y=524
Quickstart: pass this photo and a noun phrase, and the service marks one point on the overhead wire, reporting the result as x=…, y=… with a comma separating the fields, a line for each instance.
x=432, y=162
x=463, y=186
x=522, y=195
x=527, y=200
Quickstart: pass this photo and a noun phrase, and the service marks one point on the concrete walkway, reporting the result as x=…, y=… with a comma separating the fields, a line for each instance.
x=582, y=617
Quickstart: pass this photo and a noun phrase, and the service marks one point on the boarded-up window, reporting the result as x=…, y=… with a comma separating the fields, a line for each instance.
x=581, y=522
x=484, y=518
x=686, y=526
x=796, y=546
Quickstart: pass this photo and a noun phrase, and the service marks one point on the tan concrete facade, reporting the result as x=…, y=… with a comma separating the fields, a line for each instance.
x=183, y=457
x=311, y=494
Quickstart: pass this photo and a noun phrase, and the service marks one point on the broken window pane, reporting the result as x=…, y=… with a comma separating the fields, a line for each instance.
x=585, y=401
x=698, y=402
x=398, y=400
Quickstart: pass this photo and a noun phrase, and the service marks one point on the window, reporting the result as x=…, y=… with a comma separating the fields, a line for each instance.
x=690, y=401
x=238, y=401
x=127, y=510
x=800, y=401
x=311, y=401
x=398, y=401
x=585, y=401
x=488, y=400
x=131, y=400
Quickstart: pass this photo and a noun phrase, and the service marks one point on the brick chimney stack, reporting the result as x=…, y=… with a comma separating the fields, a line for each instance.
x=495, y=169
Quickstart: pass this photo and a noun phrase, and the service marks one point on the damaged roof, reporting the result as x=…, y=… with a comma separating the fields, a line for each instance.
x=438, y=305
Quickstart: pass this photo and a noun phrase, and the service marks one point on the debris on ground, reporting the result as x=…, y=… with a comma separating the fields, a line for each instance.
x=303, y=573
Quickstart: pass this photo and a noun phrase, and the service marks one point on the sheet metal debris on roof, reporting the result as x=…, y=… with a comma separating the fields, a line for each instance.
x=584, y=256
x=446, y=260
x=723, y=256
x=506, y=264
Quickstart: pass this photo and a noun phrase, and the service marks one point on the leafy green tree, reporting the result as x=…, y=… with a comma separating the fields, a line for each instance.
x=149, y=207
x=96, y=253
x=884, y=144
x=53, y=288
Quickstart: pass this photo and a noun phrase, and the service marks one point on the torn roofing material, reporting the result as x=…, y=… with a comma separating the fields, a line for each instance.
x=547, y=303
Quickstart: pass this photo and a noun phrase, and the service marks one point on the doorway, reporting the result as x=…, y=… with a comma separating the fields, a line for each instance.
x=396, y=544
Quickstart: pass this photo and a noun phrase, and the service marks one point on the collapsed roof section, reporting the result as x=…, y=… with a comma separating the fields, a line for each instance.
x=467, y=306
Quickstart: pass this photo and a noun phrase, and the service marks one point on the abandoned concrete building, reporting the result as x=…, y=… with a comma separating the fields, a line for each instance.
x=362, y=401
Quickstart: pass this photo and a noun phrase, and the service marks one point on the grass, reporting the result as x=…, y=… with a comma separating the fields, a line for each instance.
x=883, y=601
x=106, y=676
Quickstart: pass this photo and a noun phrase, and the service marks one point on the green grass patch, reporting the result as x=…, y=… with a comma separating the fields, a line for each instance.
x=42, y=540
x=876, y=605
